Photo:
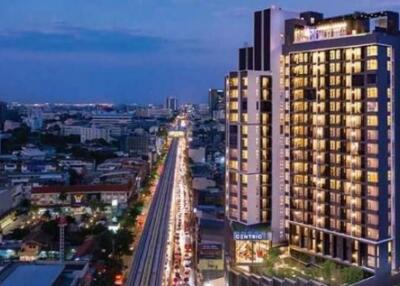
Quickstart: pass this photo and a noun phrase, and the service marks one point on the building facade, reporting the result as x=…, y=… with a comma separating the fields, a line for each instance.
x=216, y=104
x=171, y=103
x=312, y=136
x=254, y=151
x=339, y=82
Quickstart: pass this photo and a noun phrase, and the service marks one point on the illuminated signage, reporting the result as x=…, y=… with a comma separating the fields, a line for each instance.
x=251, y=235
x=210, y=251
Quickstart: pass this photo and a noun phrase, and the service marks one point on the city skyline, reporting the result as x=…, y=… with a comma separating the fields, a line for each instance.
x=52, y=52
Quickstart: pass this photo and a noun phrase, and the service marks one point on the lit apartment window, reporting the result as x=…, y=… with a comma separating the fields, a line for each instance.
x=233, y=105
x=372, y=120
x=372, y=64
x=357, y=67
x=244, y=130
x=372, y=177
x=321, y=57
x=373, y=191
x=372, y=92
x=389, y=66
x=233, y=81
x=349, y=54
x=233, y=93
x=244, y=154
x=233, y=164
x=372, y=148
x=234, y=117
x=372, y=107
x=372, y=163
x=357, y=94
x=372, y=51
x=265, y=94
x=245, y=81
x=372, y=233
x=321, y=95
x=357, y=53
x=314, y=57
x=372, y=135
x=349, y=67
x=389, y=52
x=348, y=81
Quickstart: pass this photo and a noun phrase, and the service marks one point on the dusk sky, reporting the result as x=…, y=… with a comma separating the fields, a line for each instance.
x=131, y=51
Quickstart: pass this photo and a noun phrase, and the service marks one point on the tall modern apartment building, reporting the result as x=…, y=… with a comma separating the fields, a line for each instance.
x=171, y=103
x=313, y=138
x=216, y=104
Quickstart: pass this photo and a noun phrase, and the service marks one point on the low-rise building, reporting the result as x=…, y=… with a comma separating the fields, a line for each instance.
x=44, y=274
x=94, y=132
x=81, y=195
x=10, y=125
x=197, y=154
x=6, y=200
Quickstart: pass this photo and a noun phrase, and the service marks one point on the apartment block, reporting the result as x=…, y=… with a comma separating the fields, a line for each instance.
x=313, y=139
x=341, y=129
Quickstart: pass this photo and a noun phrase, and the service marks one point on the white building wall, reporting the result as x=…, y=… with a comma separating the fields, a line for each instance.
x=278, y=18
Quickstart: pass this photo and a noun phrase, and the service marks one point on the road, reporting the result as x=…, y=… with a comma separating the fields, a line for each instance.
x=149, y=259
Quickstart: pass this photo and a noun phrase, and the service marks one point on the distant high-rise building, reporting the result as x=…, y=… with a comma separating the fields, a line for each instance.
x=171, y=103
x=35, y=119
x=313, y=139
x=216, y=103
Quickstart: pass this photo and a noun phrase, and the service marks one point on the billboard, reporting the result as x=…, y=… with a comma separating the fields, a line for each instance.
x=210, y=251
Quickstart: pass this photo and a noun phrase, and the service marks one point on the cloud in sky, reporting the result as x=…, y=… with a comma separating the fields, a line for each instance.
x=79, y=39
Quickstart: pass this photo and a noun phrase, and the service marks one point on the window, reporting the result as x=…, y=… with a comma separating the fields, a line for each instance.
x=233, y=117
x=357, y=53
x=371, y=79
x=349, y=67
x=372, y=120
x=372, y=148
x=265, y=82
x=372, y=135
x=233, y=136
x=372, y=92
x=357, y=80
x=357, y=94
x=372, y=64
x=372, y=51
x=372, y=163
x=349, y=54
x=372, y=107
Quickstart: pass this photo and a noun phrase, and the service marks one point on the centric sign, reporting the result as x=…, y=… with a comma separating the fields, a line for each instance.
x=251, y=235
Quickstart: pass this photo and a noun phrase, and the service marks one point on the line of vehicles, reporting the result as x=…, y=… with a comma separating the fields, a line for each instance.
x=183, y=241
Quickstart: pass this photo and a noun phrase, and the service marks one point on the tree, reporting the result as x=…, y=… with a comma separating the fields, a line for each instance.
x=46, y=215
x=74, y=177
x=19, y=233
x=96, y=205
x=122, y=241
x=25, y=205
x=272, y=257
x=85, y=217
x=62, y=197
x=51, y=228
